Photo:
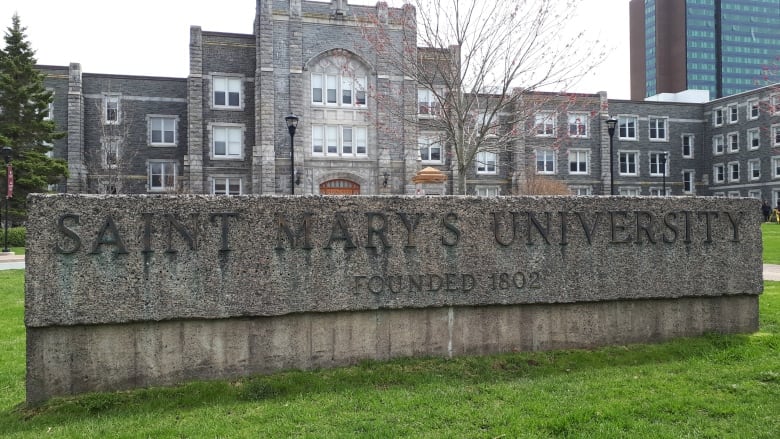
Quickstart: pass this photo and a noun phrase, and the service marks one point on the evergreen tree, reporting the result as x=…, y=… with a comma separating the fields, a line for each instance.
x=24, y=107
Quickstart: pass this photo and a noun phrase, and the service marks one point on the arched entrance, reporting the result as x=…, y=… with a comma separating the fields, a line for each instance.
x=339, y=187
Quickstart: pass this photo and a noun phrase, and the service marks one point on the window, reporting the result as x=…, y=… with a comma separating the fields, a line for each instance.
x=227, y=92
x=581, y=190
x=430, y=149
x=627, y=127
x=776, y=167
x=227, y=142
x=427, y=104
x=718, y=194
x=755, y=194
x=657, y=129
x=659, y=192
x=487, y=191
x=545, y=123
x=752, y=109
x=733, y=141
x=339, y=140
x=733, y=113
x=734, y=194
x=110, y=151
x=754, y=138
x=719, y=173
x=688, y=182
x=659, y=165
x=717, y=145
x=775, y=135
x=162, y=176
x=775, y=102
x=486, y=163
x=226, y=186
x=628, y=162
x=579, y=161
x=578, y=125
x=717, y=117
x=162, y=130
x=545, y=161
x=754, y=169
x=733, y=171
x=111, y=107
x=630, y=191
x=338, y=90
x=687, y=146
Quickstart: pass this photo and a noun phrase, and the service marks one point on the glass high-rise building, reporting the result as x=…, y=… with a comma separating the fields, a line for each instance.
x=724, y=46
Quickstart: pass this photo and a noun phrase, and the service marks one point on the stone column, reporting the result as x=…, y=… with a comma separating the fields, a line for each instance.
x=193, y=160
x=77, y=178
x=264, y=152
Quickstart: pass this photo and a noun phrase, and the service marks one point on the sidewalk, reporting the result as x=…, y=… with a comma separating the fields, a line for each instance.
x=4, y=257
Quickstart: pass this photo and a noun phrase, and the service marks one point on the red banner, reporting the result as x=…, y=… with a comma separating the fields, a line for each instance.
x=10, y=173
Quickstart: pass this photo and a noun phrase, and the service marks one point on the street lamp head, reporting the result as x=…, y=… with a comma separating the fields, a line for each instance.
x=6, y=151
x=663, y=157
x=611, y=123
x=292, y=123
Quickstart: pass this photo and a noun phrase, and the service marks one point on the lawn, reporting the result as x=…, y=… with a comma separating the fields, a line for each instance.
x=713, y=386
x=771, y=233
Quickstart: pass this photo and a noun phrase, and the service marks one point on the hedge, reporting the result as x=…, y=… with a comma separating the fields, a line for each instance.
x=16, y=236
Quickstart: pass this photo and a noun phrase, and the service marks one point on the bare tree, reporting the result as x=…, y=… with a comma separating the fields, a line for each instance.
x=110, y=164
x=481, y=64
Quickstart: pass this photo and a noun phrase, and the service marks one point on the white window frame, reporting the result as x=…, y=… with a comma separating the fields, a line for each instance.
x=719, y=173
x=579, y=125
x=427, y=144
x=775, y=103
x=168, y=172
x=112, y=109
x=427, y=103
x=754, y=134
x=576, y=156
x=581, y=190
x=776, y=135
x=755, y=193
x=545, y=123
x=734, y=194
x=690, y=174
x=717, y=117
x=107, y=145
x=334, y=141
x=658, y=129
x=733, y=113
x=227, y=85
x=656, y=191
x=229, y=131
x=776, y=167
x=548, y=157
x=627, y=172
x=719, y=194
x=730, y=168
x=487, y=191
x=487, y=163
x=152, y=118
x=754, y=166
x=338, y=90
x=718, y=145
x=691, y=145
x=654, y=161
x=752, y=109
x=732, y=140
x=630, y=191
x=628, y=126
x=227, y=181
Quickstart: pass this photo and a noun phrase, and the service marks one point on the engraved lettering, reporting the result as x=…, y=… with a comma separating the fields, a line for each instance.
x=670, y=221
x=374, y=230
x=589, y=231
x=647, y=228
x=283, y=229
x=70, y=233
x=114, y=239
x=735, y=225
x=497, y=233
x=225, y=223
x=411, y=224
x=174, y=223
x=618, y=228
x=544, y=231
x=449, y=223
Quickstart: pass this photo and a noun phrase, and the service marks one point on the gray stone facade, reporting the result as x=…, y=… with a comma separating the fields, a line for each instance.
x=298, y=42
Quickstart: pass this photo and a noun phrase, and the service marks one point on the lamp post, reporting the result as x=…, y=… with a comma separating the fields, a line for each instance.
x=611, y=122
x=292, y=125
x=6, y=151
x=663, y=166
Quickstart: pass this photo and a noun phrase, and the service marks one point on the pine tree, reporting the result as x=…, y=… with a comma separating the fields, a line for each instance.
x=24, y=126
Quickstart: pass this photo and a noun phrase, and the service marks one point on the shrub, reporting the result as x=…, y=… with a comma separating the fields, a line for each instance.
x=16, y=236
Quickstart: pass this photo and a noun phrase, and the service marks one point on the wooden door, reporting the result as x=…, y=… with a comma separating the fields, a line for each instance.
x=339, y=187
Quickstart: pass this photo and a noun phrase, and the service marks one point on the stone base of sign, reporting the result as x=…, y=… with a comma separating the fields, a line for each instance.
x=76, y=359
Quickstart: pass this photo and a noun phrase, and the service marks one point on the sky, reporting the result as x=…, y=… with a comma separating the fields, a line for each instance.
x=151, y=37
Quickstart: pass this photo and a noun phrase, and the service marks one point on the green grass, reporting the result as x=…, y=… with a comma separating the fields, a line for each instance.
x=714, y=386
x=771, y=238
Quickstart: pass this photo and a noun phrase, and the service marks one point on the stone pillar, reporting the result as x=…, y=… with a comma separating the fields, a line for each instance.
x=193, y=160
x=77, y=178
x=606, y=160
x=409, y=99
x=264, y=152
x=295, y=95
